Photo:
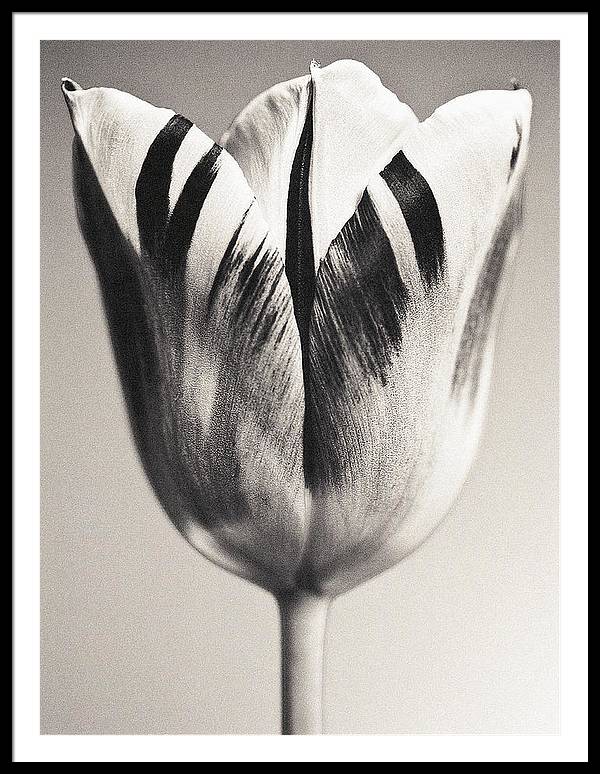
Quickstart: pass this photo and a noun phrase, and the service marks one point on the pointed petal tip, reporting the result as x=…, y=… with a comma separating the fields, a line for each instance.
x=69, y=88
x=526, y=103
x=516, y=85
x=68, y=85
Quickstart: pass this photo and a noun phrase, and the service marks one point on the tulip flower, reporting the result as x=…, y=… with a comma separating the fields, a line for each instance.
x=303, y=319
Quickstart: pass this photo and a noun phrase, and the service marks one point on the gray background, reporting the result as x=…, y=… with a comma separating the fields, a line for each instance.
x=142, y=635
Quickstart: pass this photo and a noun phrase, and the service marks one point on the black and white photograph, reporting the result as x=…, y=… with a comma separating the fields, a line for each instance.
x=296, y=372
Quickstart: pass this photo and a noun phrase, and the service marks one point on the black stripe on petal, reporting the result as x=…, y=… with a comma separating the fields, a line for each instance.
x=299, y=255
x=356, y=327
x=361, y=300
x=166, y=239
x=182, y=223
x=247, y=294
x=516, y=150
x=420, y=210
x=152, y=187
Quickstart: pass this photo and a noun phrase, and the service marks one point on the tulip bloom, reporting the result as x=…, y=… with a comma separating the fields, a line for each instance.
x=303, y=318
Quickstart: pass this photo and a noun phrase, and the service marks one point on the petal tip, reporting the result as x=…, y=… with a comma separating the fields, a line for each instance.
x=526, y=101
x=517, y=86
x=69, y=88
x=68, y=85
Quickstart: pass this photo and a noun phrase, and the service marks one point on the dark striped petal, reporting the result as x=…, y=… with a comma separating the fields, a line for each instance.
x=154, y=181
x=203, y=328
x=116, y=130
x=306, y=358
x=420, y=211
x=468, y=151
x=356, y=126
x=380, y=367
x=405, y=308
x=263, y=140
x=242, y=405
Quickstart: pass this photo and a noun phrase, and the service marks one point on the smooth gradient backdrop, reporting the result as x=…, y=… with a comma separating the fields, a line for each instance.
x=140, y=634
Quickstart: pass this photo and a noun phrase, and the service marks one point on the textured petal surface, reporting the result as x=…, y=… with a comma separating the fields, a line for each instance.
x=263, y=140
x=401, y=337
x=203, y=329
x=356, y=125
x=468, y=151
x=305, y=333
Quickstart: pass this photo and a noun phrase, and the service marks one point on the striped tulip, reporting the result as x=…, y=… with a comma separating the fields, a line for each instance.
x=303, y=319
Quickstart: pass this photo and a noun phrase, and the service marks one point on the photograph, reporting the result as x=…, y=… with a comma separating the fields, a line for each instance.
x=298, y=353
x=293, y=256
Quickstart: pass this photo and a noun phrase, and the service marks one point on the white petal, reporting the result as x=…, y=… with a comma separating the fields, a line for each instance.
x=263, y=140
x=357, y=125
x=203, y=329
x=464, y=152
x=395, y=337
x=106, y=120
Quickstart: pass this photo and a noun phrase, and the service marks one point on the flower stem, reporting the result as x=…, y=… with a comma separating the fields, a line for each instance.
x=303, y=620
